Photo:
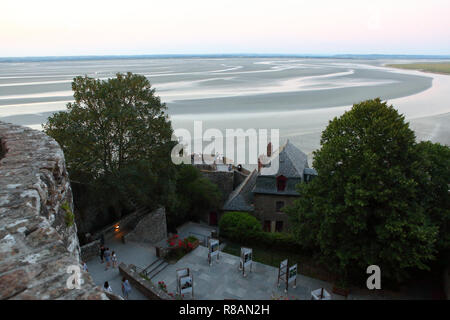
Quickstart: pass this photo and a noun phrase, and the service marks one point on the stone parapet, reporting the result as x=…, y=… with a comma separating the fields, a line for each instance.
x=38, y=234
x=146, y=287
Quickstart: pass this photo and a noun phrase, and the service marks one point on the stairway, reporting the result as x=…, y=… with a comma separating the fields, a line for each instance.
x=156, y=267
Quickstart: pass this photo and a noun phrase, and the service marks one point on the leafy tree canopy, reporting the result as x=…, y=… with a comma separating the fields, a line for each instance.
x=435, y=191
x=366, y=205
x=111, y=124
x=196, y=196
x=117, y=141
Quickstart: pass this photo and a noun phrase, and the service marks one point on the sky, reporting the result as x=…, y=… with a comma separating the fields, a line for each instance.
x=128, y=27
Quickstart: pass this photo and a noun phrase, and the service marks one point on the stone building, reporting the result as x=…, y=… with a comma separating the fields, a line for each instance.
x=268, y=189
x=226, y=176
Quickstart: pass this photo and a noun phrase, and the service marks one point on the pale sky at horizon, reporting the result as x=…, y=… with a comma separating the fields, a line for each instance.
x=111, y=27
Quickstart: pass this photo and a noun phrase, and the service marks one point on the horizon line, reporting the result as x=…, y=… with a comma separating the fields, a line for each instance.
x=169, y=55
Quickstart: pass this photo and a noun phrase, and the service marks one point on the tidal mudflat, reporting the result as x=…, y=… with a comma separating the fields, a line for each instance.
x=297, y=96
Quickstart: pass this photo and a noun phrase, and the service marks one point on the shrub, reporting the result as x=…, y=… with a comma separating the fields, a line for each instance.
x=69, y=217
x=277, y=239
x=244, y=228
x=239, y=226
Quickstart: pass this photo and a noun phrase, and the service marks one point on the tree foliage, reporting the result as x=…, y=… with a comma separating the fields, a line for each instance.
x=435, y=190
x=239, y=226
x=111, y=124
x=117, y=141
x=195, y=196
x=366, y=205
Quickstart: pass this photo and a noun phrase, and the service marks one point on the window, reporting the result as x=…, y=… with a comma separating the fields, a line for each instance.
x=279, y=205
x=279, y=226
x=281, y=183
x=266, y=225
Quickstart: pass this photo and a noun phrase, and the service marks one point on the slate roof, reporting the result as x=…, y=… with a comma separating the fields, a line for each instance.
x=268, y=185
x=292, y=162
x=242, y=197
x=310, y=171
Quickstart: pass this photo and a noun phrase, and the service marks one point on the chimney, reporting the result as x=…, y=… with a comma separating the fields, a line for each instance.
x=269, y=149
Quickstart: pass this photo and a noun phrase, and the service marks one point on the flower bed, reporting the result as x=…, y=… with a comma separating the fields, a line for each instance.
x=178, y=248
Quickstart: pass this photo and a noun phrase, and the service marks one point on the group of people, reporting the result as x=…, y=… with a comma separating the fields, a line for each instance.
x=106, y=255
x=126, y=288
x=111, y=259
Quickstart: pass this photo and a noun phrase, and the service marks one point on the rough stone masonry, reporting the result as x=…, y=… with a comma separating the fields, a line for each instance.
x=38, y=235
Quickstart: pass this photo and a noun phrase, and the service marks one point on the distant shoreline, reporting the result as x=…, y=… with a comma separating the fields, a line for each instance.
x=218, y=56
x=436, y=68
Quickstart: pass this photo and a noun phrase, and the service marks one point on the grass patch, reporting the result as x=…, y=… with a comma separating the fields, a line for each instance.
x=434, y=67
x=273, y=257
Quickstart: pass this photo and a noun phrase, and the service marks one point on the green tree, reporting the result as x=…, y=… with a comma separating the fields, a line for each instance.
x=435, y=191
x=364, y=207
x=194, y=196
x=116, y=137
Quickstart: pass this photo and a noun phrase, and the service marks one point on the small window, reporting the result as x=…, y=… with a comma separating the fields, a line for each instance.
x=281, y=183
x=267, y=226
x=279, y=226
x=279, y=205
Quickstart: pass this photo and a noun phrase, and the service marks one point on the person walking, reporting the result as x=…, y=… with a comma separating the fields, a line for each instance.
x=107, y=258
x=107, y=288
x=126, y=288
x=114, y=259
x=102, y=253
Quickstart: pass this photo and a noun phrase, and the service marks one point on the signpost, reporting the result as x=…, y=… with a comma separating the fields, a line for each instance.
x=287, y=274
x=185, y=282
x=213, y=246
x=320, y=294
x=246, y=260
x=292, y=276
x=282, y=272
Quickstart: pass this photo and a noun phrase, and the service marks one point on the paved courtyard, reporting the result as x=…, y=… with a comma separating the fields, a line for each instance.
x=130, y=253
x=224, y=280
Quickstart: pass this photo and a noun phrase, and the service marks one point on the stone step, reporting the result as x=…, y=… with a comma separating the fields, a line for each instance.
x=158, y=270
x=153, y=265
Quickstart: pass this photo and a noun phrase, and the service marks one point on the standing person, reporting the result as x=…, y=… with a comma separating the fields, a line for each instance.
x=85, y=268
x=107, y=288
x=107, y=258
x=126, y=288
x=114, y=259
x=102, y=253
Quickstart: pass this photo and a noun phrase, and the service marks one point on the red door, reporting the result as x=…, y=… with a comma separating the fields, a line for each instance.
x=213, y=218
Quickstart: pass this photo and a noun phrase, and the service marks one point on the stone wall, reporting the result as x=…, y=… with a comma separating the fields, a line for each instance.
x=90, y=250
x=151, y=229
x=265, y=209
x=146, y=287
x=38, y=236
x=128, y=222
